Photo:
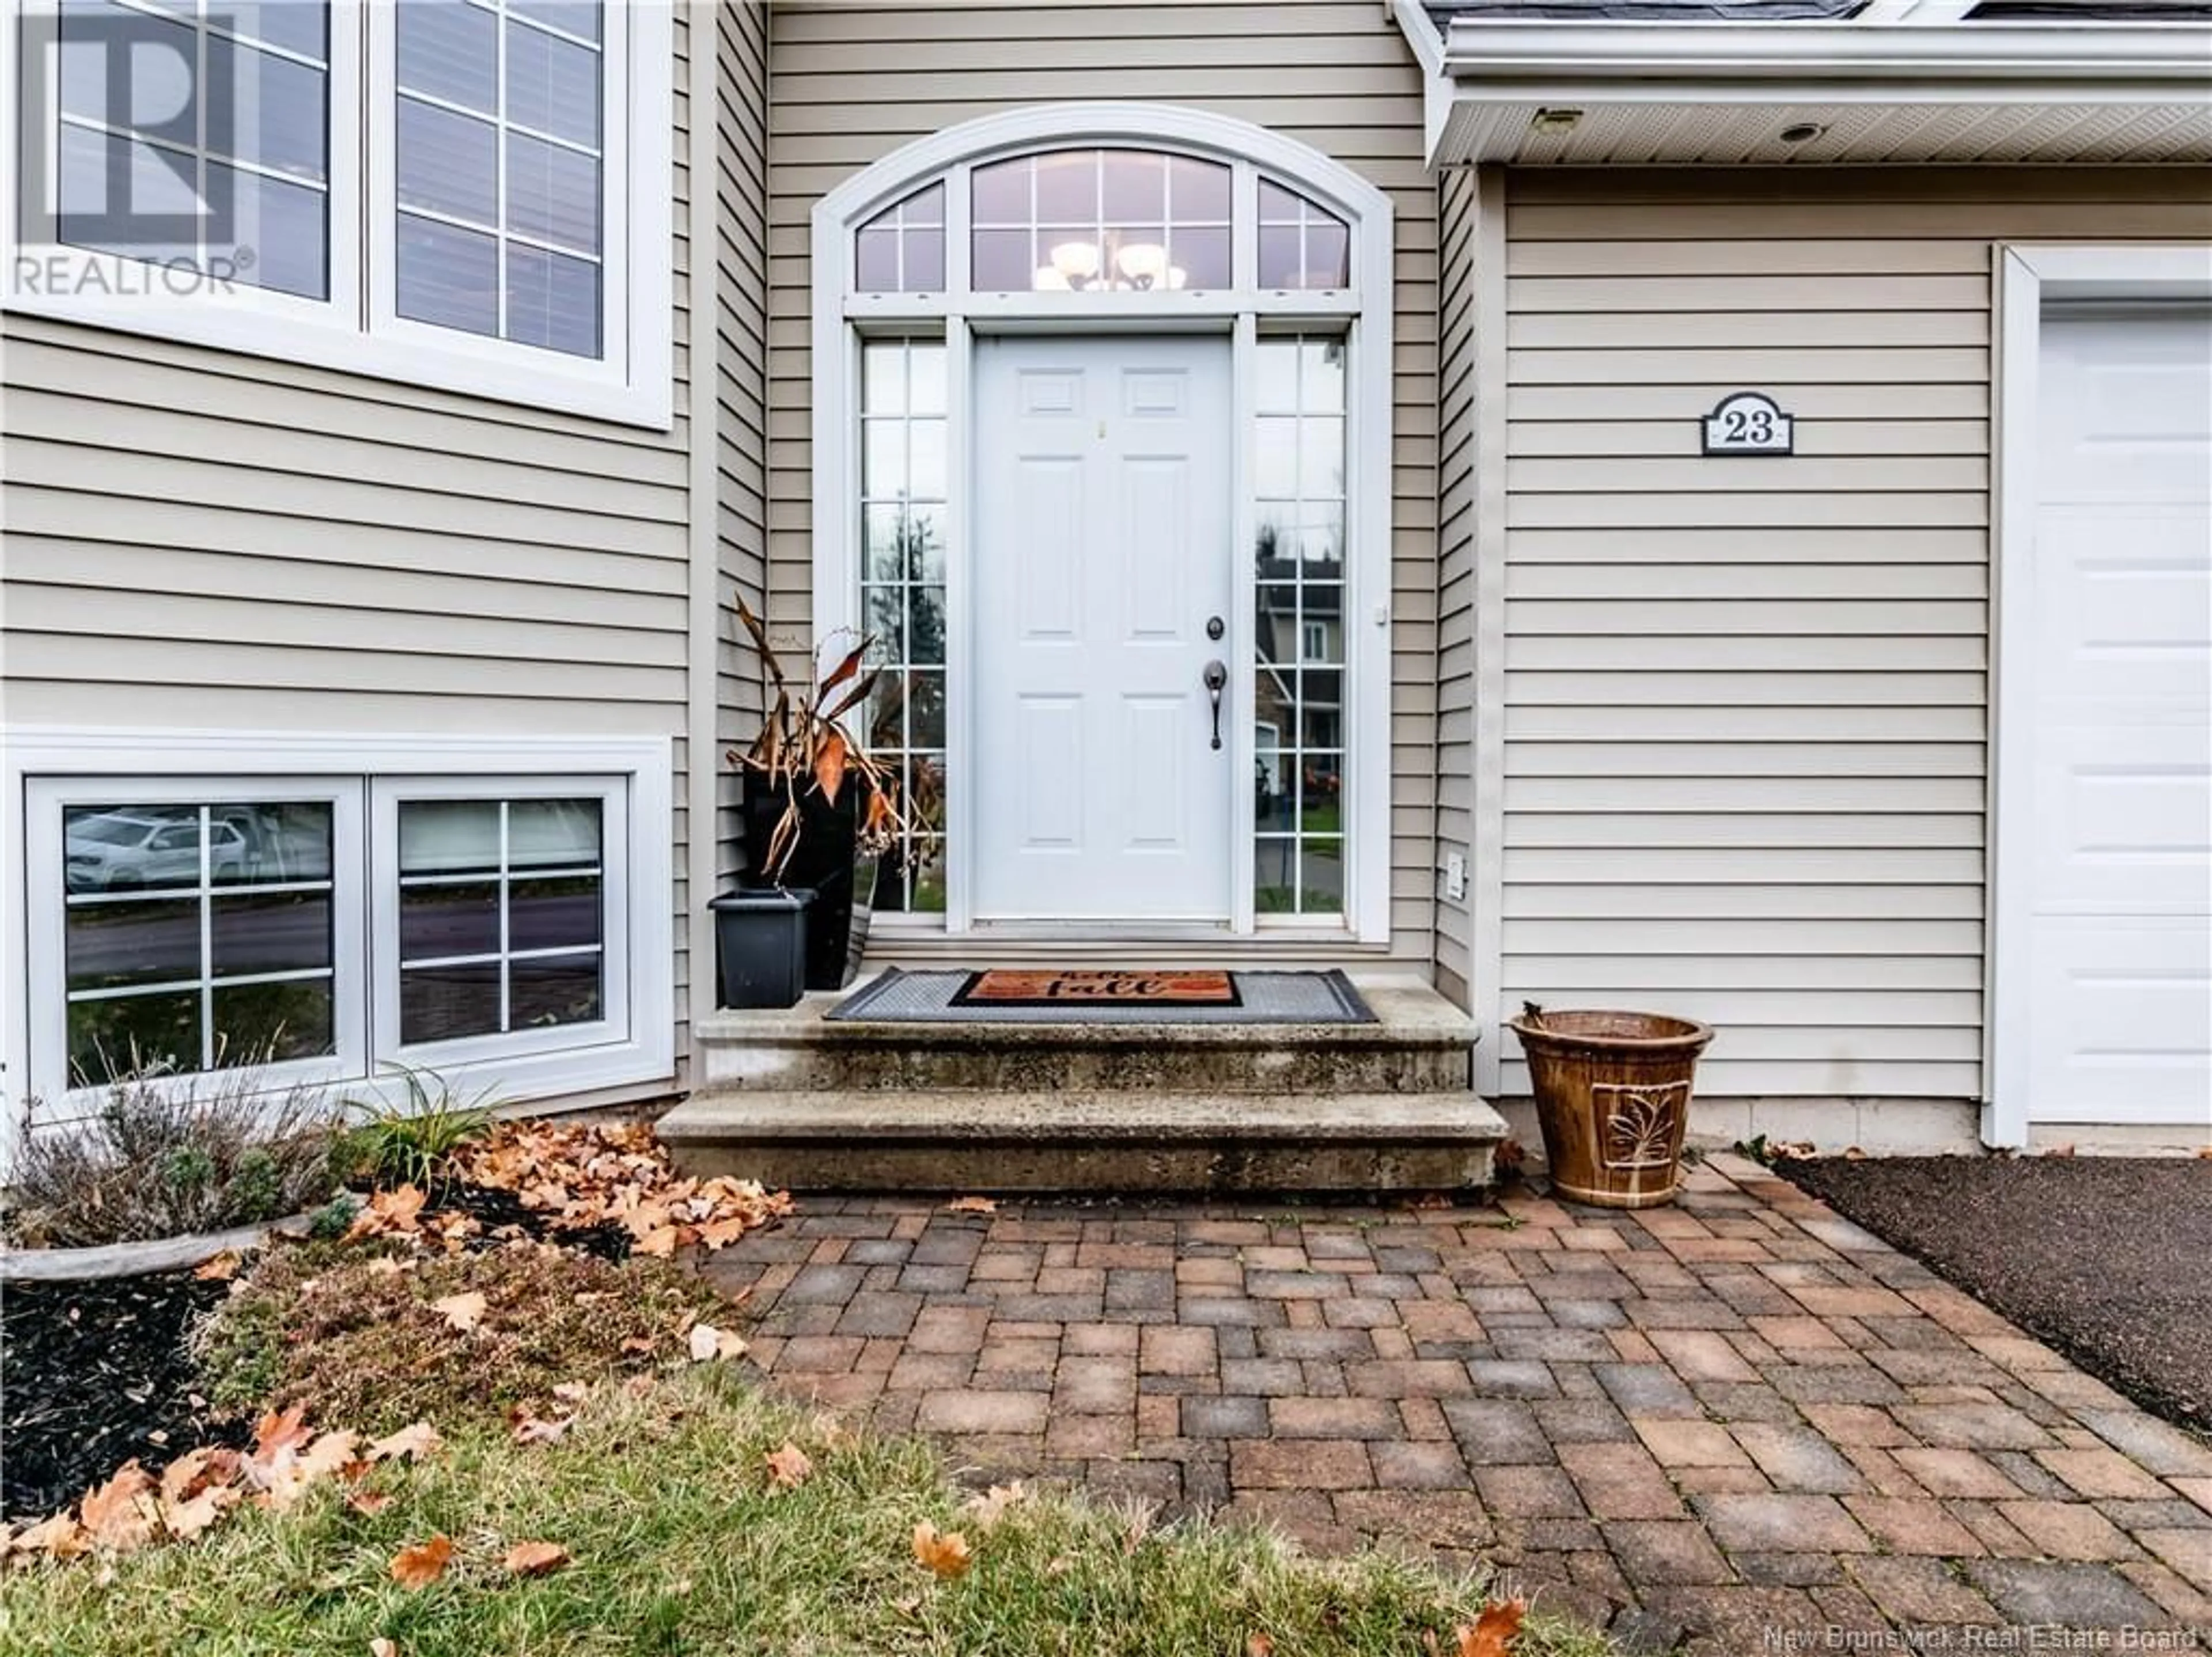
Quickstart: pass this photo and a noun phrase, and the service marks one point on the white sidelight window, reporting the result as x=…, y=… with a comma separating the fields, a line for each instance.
x=489, y=924
x=470, y=194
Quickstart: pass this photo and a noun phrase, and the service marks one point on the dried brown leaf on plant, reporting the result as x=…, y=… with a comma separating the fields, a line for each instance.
x=421, y=1564
x=535, y=1558
x=945, y=1553
x=789, y=1467
x=1495, y=1632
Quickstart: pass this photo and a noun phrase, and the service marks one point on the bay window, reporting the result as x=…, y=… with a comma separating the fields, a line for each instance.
x=471, y=194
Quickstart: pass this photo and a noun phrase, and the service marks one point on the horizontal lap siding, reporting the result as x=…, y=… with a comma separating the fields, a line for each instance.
x=207, y=540
x=1746, y=709
x=741, y=244
x=852, y=83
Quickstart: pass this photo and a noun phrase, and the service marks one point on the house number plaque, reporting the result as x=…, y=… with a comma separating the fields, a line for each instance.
x=1750, y=423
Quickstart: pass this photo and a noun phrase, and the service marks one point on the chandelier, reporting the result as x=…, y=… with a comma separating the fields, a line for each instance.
x=1128, y=267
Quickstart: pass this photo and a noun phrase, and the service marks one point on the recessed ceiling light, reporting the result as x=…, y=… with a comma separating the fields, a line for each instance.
x=1555, y=120
x=1802, y=132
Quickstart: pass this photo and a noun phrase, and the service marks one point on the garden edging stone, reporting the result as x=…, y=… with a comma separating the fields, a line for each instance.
x=54, y=1266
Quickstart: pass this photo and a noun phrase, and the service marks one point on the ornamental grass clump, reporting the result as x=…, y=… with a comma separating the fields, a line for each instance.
x=163, y=1155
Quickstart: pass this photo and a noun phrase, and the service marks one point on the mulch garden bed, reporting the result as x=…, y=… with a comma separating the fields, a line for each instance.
x=2107, y=1259
x=97, y=1373
x=101, y=1372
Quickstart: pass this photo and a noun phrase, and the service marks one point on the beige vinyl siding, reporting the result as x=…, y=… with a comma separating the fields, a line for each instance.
x=1747, y=700
x=198, y=540
x=852, y=83
x=741, y=242
x=1458, y=209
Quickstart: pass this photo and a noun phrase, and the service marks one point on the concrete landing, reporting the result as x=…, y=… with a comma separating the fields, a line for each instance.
x=1160, y=1108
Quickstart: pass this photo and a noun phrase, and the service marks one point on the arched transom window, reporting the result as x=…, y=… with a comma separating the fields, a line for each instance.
x=1105, y=220
x=1180, y=255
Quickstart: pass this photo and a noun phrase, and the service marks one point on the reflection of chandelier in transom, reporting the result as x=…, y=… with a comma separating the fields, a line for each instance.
x=1116, y=265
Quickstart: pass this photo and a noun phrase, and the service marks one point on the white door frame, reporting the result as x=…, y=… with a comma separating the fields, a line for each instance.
x=2028, y=279
x=841, y=318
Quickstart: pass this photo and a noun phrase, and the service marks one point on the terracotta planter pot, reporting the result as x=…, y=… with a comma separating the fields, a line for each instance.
x=1612, y=1096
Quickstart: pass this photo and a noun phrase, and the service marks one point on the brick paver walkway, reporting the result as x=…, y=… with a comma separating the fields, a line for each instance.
x=1717, y=1422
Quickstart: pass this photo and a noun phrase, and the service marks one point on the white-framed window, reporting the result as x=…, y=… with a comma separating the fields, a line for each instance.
x=469, y=194
x=197, y=924
x=467, y=907
x=496, y=920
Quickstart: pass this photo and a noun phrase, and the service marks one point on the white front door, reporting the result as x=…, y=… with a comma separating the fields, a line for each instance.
x=1102, y=556
x=2118, y=955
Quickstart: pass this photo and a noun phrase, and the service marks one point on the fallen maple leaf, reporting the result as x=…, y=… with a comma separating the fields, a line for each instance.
x=463, y=1312
x=971, y=1205
x=388, y=1213
x=421, y=1563
x=535, y=1558
x=945, y=1553
x=58, y=1537
x=380, y=1647
x=276, y=1432
x=536, y=1429
x=186, y=1519
x=789, y=1467
x=121, y=1514
x=709, y=1342
x=1495, y=1631
x=660, y=1243
x=1259, y=1645
x=409, y=1443
x=218, y=1268
x=988, y=1508
x=720, y=1234
x=369, y=1501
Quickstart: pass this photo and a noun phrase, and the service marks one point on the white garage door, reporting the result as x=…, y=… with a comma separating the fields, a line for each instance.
x=2117, y=952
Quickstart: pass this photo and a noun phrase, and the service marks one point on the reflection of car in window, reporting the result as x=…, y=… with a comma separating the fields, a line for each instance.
x=118, y=851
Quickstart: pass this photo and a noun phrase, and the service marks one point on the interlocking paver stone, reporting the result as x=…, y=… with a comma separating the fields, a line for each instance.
x=1725, y=1420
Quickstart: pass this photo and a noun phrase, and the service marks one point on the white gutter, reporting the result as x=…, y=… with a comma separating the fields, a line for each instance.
x=2131, y=62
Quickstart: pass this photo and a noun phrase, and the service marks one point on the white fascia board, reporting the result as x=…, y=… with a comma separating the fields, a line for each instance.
x=1421, y=33
x=1642, y=62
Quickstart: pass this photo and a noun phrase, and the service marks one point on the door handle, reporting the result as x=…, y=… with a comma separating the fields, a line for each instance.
x=1217, y=680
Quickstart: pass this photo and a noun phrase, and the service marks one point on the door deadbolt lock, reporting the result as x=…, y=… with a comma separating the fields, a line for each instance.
x=1215, y=627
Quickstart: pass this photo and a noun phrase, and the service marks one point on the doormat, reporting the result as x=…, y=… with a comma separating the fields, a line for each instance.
x=1000, y=988
x=949, y=997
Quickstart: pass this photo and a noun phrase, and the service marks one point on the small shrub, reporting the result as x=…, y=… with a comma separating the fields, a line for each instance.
x=333, y=1220
x=409, y=1143
x=166, y=1155
x=336, y=1327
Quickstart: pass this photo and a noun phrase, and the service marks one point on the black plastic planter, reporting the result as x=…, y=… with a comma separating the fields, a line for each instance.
x=760, y=944
x=827, y=862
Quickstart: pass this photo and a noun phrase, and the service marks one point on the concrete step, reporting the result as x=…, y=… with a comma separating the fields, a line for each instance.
x=1032, y=1140
x=1420, y=1044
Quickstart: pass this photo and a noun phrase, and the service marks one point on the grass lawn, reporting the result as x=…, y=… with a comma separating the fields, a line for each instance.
x=680, y=1545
